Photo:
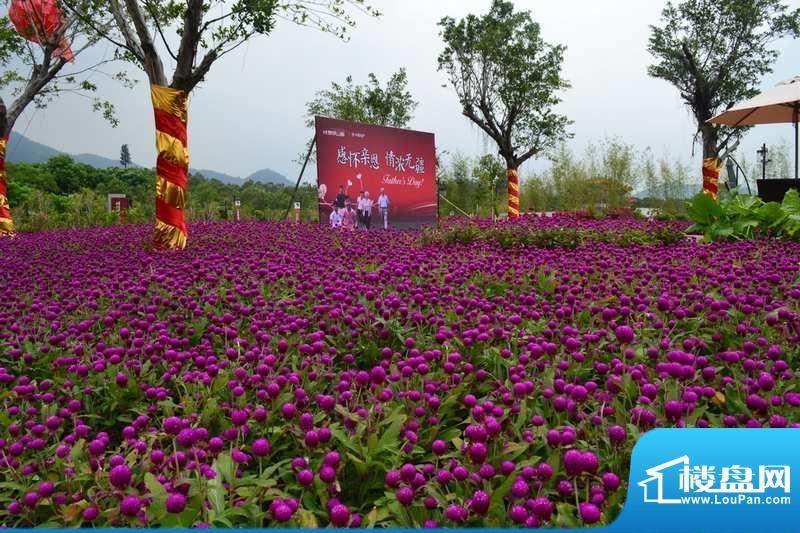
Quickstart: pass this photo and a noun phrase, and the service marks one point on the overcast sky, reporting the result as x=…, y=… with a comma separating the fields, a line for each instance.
x=248, y=114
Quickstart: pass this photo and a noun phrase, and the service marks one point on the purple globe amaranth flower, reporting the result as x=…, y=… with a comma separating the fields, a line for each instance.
x=611, y=481
x=327, y=474
x=176, y=503
x=589, y=512
x=239, y=456
x=405, y=496
x=456, y=513
x=624, y=334
x=565, y=488
x=120, y=476
x=305, y=477
x=542, y=508
x=480, y=501
x=589, y=462
x=392, y=478
x=573, y=462
x=31, y=499
x=130, y=506
x=332, y=459
x=443, y=477
x=518, y=514
x=186, y=437
x=544, y=471
x=45, y=488
x=239, y=417
x=261, y=447
x=282, y=513
x=408, y=472
x=340, y=515
x=288, y=410
x=520, y=489
x=674, y=409
x=173, y=425
x=478, y=452
x=278, y=328
x=439, y=447
x=90, y=513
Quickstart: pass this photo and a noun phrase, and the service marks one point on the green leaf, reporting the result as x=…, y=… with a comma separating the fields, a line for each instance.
x=346, y=441
x=770, y=215
x=703, y=209
x=158, y=507
x=567, y=516
x=496, y=501
x=306, y=519
x=216, y=494
x=389, y=438
x=224, y=466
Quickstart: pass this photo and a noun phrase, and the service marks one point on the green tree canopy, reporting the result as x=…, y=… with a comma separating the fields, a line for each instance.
x=370, y=103
x=507, y=78
x=35, y=73
x=194, y=34
x=715, y=52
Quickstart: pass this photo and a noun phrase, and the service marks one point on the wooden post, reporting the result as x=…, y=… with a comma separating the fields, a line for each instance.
x=300, y=177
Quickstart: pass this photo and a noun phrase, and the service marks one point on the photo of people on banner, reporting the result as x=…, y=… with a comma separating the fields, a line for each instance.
x=373, y=177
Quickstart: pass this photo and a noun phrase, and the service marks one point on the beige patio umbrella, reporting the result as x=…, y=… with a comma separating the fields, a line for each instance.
x=778, y=105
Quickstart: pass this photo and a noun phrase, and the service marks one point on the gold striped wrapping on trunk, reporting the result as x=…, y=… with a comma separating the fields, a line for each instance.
x=711, y=169
x=6, y=222
x=171, y=113
x=513, y=193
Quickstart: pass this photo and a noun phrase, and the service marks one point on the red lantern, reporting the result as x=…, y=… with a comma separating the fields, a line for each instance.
x=37, y=21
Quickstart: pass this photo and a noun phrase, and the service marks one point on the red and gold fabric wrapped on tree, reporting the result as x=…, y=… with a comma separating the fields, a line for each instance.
x=6, y=223
x=172, y=167
x=513, y=193
x=711, y=169
x=37, y=21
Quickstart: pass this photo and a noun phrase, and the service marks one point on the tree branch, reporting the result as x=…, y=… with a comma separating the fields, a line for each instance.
x=39, y=79
x=152, y=61
x=101, y=33
x=470, y=114
x=187, y=53
x=158, y=28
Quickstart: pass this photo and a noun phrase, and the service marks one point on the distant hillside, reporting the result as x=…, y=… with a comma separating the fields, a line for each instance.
x=98, y=161
x=269, y=176
x=214, y=175
x=24, y=150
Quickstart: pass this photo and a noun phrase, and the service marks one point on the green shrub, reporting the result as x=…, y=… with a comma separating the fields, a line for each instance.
x=742, y=217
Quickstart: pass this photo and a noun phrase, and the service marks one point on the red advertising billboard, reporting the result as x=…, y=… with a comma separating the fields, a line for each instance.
x=373, y=177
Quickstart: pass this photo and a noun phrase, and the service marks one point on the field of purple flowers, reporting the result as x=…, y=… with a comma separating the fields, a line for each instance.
x=278, y=374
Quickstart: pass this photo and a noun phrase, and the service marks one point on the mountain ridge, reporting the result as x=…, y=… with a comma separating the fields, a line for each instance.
x=21, y=149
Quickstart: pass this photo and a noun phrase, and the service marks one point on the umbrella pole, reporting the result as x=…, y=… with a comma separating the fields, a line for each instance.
x=796, y=140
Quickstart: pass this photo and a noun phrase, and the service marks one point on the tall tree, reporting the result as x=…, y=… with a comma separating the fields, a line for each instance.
x=37, y=48
x=508, y=80
x=489, y=173
x=370, y=103
x=124, y=156
x=206, y=31
x=715, y=53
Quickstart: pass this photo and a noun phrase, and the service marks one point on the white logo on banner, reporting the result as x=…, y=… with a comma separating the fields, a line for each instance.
x=681, y=482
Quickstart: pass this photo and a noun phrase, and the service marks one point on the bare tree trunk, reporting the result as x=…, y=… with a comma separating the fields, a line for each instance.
x=711, y=162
